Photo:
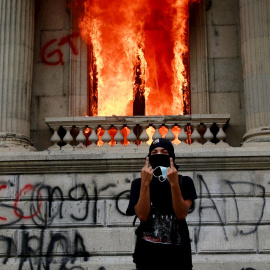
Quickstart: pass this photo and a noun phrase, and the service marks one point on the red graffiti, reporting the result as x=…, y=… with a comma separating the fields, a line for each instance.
x=3, y=187
x=46, y=54
x=26, y=189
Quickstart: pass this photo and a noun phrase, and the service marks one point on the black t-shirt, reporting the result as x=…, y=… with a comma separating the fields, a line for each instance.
x=162, y=240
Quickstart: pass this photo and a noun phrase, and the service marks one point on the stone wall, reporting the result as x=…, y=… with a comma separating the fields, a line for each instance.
x=50, y=95
x=68, y=210
x=226, y=92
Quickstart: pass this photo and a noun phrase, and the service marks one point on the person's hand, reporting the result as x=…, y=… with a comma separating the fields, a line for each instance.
x=172, y=174
x=147, y=173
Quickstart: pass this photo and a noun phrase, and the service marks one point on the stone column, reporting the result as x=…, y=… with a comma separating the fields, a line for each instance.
x=16, y=64
x=255, y=45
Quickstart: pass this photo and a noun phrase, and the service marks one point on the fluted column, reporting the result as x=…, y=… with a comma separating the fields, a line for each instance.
x=255, y=45
x=16, y=64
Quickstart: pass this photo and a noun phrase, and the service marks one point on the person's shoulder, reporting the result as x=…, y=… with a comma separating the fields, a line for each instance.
x=188, y=188
x=185, y=178
x=186, y=181
x=136, y=182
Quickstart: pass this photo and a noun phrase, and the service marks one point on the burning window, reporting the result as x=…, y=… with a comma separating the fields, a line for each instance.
x=138, y=56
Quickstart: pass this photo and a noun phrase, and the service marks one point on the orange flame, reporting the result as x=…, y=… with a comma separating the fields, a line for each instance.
x=153, y=31
x=87, y=132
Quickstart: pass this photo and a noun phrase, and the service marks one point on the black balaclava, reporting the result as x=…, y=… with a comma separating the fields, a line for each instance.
x=161, y=159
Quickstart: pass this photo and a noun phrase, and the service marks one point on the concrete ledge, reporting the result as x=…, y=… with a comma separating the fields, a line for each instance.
x=231, y=262
x=131, y=159
x=205, y=262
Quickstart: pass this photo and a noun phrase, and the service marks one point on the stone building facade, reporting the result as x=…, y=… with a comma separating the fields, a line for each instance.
x=63, y=204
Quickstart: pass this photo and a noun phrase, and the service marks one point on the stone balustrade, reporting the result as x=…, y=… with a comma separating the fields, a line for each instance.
x=74, y=133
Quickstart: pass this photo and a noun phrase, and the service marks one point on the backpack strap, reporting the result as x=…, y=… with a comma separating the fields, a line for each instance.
x=180, y=179
x=134, y=220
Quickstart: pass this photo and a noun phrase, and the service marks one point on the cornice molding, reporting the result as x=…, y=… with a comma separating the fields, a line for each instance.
x=188, y=160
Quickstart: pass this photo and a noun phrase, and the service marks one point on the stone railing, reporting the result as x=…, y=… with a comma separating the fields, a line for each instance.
x=71, y=133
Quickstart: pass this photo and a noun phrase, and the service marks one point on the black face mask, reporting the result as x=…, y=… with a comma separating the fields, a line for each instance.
x=159, y=160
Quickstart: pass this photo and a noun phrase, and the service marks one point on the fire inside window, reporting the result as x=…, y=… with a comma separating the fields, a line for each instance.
x=138, y=56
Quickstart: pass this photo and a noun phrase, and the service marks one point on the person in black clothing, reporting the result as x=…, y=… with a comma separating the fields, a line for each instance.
x=161, y=199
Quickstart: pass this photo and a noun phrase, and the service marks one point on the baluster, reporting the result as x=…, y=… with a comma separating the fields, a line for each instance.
x=131, y=137
x=93, y=138
x=182, y=135
x=208, y=135
x=80, y=138
x=68, y=138
x=144, y=136
x=157, y=134
x=87, y=134
x=195, y=136
x=106, y=138
x=221, y=135
x=170, y=136
x=55, y=139
x=118, y=136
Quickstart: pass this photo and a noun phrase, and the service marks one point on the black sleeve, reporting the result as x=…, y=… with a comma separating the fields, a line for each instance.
x=134, y=196
x=188, y=190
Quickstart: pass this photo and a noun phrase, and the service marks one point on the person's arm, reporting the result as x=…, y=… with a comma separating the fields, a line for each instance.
x=142, y=208
x=180, y=206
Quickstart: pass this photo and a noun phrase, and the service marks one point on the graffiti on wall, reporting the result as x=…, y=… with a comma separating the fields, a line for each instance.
x=35, y=245
x=53, y=49
x=40, y=205
x=231, y=184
